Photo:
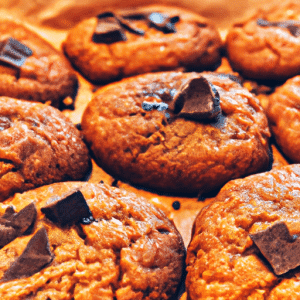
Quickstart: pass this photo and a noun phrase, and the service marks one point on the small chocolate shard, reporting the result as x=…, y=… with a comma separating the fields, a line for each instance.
x=13, y=225
x=34, y=258
x=108, y=29
x=69, y=210
x=197, y=99
x=125, y=22
x=280, y=248
x=14, y=53
x=160, y=106
x=162, y=22
x=292, y=26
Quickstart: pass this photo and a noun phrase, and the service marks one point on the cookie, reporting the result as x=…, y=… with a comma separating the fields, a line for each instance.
x=31, y=69
x=135, y=41
x=267, y=45
x=155, y=130
x=283, y=113
x=38, y=145
x=245, y=245
x=116, y=246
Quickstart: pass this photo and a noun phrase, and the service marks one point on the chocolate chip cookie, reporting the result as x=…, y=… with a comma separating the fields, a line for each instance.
x=38, y=145
x=87, y=241
x=284, y=113
x=267, y=45
x=30, y=68
x=126, y=42
x=177, y=132
x=245, y=245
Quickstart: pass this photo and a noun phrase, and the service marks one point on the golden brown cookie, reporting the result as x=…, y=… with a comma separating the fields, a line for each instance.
x=267, y=45
x=137, y=136
x=284, y=114
x=30, y=68
x=38, y=146
x=232, y=248
x=117, y=246
x=134, y=41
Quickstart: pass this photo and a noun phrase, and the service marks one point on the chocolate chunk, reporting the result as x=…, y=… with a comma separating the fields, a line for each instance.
x=162, y=22
x=108, y=29
x=34, y=258
x=125, y=22
x=160, y=106
x=292, y=26
x=176, y=205
x=7, y=234
x=196, y=99
x=14, y=224
x=280, y=249
x=69, y=210
x=13, y=52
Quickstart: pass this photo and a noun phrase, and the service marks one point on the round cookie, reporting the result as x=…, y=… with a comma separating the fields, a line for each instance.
x=30, y=68
x=38, y=145
x=267, y=45
x=128, y=249
x=284, y=113
x=135, y=41
x=175, y=152
x=231, y=254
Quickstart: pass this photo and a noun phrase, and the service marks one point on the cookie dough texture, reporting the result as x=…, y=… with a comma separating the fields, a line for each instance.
x=45, y=76
x=284, y=115
x=132, y=251
x=268, y=53
x=222, y=261
x=38, y=145
x=195, y=45
x=181, y=155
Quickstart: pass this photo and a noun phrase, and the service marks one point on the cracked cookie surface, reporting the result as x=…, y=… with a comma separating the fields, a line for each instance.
x=38, y=145
x=222, y=260
x=46, y=75
x=266, y=52
x=194, y=45
x=132, y=251
x=178, y=155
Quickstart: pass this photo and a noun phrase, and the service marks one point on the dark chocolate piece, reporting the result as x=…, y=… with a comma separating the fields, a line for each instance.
x=14, y=224
x=197, y=99
x=162, y=22
x=108, y=29
x=13, y=52
x=176, y=205
x=34, y=258
x=292, y=26
x=160, y=106
x=280, y=249
x=68, y=210
x=125, y=22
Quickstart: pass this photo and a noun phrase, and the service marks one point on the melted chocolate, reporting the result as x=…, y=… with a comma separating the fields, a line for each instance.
x=160, y=106
x=280, y=249
x=69, y=210
x=34, y=258
x=292, y=26
x=162, y=22
x=14, y=53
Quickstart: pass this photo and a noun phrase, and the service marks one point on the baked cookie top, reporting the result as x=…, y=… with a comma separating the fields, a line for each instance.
x=32, y=69
x=267, y=45
x=176, y=153
x=38, y=145
x=125, y=248
x=223, y=261
x=284, y=114
x=152, y=38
